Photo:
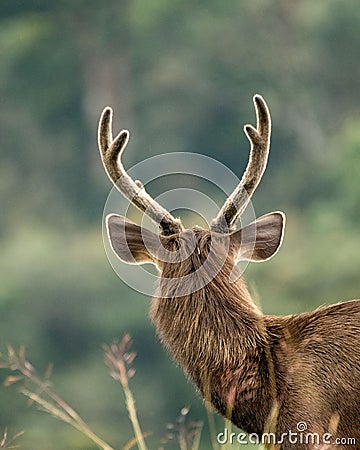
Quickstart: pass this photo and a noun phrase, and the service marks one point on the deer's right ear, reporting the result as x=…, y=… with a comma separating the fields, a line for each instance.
x=261, y=239
x=131, y=243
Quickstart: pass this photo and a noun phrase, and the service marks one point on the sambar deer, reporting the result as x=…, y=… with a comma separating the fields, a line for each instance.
x=267, y=374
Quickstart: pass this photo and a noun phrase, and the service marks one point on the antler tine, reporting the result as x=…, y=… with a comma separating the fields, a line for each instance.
x=259, y=138
x=111, y=151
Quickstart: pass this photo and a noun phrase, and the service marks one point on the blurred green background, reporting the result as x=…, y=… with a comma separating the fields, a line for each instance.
x=180, y=75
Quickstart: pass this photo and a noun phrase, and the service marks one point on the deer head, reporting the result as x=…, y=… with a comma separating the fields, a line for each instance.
x=174, y=249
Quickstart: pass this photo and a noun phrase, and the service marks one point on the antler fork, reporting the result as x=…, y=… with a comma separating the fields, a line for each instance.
x=111, y=151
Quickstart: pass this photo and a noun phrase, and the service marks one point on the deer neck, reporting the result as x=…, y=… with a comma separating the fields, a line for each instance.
x=218, y=336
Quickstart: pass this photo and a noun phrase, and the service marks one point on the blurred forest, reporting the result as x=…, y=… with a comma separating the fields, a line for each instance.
x=180, y=75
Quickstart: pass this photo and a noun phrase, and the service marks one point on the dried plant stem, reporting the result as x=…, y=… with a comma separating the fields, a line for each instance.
x=133, y=442
x=7, y=442
x=78, y=424
x=197, y=438
x=212, y=426
x=130, y=405
x=228, y=425
x=54, y=405
x=119, y=359
x=182, y=438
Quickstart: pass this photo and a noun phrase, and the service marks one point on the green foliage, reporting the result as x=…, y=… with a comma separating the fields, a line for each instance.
x=180, y=75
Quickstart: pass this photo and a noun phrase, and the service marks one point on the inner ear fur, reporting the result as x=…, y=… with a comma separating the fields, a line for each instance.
x=130, y=242
x=261, y=239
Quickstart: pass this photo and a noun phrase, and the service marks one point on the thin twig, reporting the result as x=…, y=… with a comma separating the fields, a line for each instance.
x=117, y=358
x=57, y=406
x=133, y=442
x=197, y=438
x=212, y=426
x=228, y=426
x=130, y=404
x=58, y=413
x=6, y=441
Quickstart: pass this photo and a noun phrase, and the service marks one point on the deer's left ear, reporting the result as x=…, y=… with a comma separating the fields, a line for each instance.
x=131, y=243
x=261, y=239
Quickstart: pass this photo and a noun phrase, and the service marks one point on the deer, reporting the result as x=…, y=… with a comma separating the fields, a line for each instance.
x=269, y=375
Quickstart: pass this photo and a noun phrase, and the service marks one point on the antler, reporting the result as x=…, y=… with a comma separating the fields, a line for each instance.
x=111, y=151
x=260, y=143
